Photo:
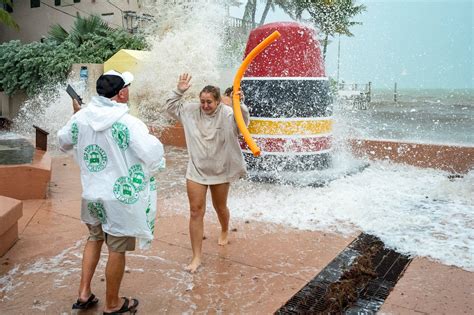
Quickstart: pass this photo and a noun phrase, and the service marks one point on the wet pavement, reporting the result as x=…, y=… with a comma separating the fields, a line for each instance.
x=262, y=267
x=431, y=288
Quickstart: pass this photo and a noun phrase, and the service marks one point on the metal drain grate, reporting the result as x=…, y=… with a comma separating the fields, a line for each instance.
x=387, y=264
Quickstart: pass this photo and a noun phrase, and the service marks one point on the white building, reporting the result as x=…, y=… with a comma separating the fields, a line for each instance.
x=35, y=17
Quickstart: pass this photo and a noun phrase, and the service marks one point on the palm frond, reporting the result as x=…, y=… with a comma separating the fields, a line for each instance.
x=83, y=27
x=6, y=18
x=91, y=24
x=58, y=33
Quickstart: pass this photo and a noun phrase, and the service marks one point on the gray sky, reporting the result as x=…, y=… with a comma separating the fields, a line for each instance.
x=418, y=44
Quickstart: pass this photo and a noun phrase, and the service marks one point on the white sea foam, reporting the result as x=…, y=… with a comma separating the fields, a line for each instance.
x=8, y=283
x=61, y=265
x=416, y=211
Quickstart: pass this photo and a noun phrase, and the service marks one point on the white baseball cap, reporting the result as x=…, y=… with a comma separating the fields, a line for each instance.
x=126, y=76
x=111, y=82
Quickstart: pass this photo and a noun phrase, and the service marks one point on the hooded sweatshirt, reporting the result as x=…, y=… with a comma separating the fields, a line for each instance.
x=117, y=157
x=214, y=152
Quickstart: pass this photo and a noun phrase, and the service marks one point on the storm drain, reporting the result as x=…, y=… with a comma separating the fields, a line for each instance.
x=357, y=281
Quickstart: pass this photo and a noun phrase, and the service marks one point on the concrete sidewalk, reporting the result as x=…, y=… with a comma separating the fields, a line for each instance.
x=263, y=266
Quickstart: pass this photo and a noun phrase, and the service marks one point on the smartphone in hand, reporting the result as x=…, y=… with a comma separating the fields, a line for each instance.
x=73, y=94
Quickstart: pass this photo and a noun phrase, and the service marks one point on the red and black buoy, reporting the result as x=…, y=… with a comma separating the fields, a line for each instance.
x=287, y=93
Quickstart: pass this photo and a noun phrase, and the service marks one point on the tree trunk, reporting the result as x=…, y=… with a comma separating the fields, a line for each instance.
x=253, y=12
x=265, y=11
x=249, y=13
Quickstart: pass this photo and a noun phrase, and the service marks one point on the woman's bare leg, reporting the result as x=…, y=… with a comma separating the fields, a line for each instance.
x=219, y=195
x=197, y=207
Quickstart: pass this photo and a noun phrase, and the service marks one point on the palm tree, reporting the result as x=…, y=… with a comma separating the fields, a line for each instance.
x=5, y=17
x=331, y=17
x=288, y=6
x=251, y=8
x=249, y=13
x=92, y=24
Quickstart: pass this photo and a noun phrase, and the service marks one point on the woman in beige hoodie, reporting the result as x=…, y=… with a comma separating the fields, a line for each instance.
x=215, y=158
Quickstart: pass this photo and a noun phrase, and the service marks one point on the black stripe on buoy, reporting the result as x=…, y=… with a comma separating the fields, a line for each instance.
x=280, y=97
x=288, y=162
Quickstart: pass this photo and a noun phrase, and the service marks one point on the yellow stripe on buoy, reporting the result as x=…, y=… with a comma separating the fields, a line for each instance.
x=239, y=119
x=292, y=127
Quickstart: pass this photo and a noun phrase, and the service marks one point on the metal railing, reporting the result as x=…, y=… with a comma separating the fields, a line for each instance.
x=358, y=94
x=240, y=23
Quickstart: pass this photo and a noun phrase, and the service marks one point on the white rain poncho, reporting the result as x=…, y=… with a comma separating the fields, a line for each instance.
x=117, y=157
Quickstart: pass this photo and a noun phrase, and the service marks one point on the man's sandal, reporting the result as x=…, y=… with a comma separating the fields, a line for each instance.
x=125, y=307
x=80, y=305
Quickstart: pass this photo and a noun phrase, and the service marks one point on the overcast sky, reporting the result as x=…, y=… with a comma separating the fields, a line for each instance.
x=418, y=44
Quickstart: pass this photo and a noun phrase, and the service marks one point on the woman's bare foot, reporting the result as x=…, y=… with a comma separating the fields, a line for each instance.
x=223, y=239
x=194, y=265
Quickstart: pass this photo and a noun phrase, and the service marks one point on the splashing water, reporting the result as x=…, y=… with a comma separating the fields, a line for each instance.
x=188, y=39
x=49, y=110
x=420, y=212
x=417, y=211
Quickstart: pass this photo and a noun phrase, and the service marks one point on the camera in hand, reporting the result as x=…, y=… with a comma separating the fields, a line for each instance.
x=73, y=94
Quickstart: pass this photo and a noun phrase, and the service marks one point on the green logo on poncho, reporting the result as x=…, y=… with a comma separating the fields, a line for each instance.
x=97, y=210
x=125, y=191
x=150, y=221
x=95, y=158
x=74, y=132
x=121, y=135
x=138, y=176
x=152, y=183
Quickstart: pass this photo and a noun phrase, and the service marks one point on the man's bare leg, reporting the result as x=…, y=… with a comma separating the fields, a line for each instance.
x=90, y=259
x=219, y=195
x=113, y=278
x=197, y=207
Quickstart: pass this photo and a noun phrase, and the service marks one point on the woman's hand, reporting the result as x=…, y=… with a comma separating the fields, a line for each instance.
x=241, y=96
x=183, y=82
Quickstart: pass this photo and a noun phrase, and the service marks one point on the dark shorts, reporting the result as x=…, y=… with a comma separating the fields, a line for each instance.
x=117, y=244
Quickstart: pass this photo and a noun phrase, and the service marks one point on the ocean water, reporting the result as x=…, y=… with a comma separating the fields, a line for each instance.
x=426, y=116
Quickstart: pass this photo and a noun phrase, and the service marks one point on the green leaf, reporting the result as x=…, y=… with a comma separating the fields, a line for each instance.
x=6, y=19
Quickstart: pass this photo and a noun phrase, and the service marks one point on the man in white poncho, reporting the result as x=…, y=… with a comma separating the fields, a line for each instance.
x=117, y=157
